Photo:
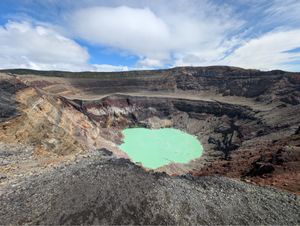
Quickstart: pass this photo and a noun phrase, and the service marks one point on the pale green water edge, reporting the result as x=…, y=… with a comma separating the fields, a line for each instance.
x=154, y=148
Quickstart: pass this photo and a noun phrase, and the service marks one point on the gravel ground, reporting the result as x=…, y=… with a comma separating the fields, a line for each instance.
x=105, y=190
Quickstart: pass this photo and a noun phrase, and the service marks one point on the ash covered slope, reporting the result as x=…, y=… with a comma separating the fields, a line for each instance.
x=105, y=190
x=53, y=124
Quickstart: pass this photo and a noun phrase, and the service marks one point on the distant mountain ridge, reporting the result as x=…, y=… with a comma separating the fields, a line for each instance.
x=220, y=69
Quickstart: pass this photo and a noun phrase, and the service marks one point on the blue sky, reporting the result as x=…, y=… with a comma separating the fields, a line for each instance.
x=117, y=35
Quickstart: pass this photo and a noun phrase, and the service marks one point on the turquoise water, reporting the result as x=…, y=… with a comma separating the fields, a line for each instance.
x=154, y=148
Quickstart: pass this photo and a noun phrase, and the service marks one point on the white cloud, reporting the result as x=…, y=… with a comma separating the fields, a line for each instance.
x=108, y=67
x=268, y=51
x=149, y=62
x=160, y=33
x=158, y=37
x=24, y=45
x=138, y=31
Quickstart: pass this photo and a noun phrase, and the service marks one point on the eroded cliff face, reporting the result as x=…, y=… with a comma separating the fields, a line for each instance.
x=49, y=126
x=233, y=112
x=247, y=120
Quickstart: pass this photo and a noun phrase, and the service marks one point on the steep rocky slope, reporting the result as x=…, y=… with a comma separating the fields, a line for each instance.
x=53, y=125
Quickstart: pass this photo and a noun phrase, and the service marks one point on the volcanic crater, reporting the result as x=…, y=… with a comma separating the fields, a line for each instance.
x=248, y=122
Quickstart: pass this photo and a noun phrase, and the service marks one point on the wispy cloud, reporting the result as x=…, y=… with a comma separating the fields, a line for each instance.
x=284, y=13
x=268, y=51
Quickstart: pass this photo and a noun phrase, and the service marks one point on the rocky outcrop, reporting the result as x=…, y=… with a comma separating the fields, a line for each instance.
x=139, y=108
x=8, y=88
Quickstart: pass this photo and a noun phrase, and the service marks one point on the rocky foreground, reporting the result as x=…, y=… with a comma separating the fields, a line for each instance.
x=105, y=190
x=60, y=162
